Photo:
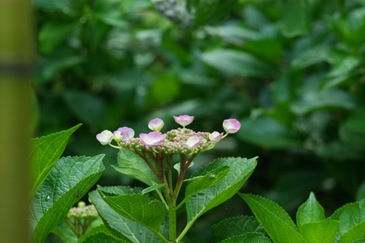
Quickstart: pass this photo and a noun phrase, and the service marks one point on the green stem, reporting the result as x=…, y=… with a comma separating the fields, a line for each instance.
x=172, y=220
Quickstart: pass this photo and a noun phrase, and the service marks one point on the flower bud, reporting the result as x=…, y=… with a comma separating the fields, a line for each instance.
x=105, y=137
x=215, y=136
x=156, y=124
x=183, y=120
x=231, y=125
x=125, y=132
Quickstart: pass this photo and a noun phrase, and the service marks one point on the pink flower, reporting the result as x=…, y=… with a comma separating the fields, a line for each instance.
x=152, y=139
x=215, y=136
x=125, y=132
x=184, y=120
x=105, y=137
x=193, y=142
x=156, y=124
x=231, y=125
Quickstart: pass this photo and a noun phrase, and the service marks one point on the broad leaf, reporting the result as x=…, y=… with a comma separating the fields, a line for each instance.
x=206, y=181
x=134, y=166
x=275, y=220
x=323, y=231
x=295, y=20
x=120, y=225
x=351, y=219
x=100, y=234
x=248, y=237
x=310, y=211
x=230, y=227
x=45, y=153
x=139, y=208
x=240, y=170
x=68, y=181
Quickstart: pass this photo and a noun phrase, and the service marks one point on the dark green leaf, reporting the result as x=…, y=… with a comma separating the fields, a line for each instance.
x=295, y=19
x=68, y=181
x=230, y=227
x=248, y=237
x=275, y=220
x=45, y=153
x=239, y=171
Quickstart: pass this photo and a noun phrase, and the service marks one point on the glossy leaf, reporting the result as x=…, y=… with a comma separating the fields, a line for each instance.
x=323, y=231
x=134, y=166
x=275, y=220
x=68, y=181
x=239, y=171
x=310, y=211
x=45, y=153
x=118, y=224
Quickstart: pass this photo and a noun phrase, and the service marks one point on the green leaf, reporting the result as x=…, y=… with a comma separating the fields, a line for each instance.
x=120, y=225
x=268, y=133
x=275, y=220
x=323, y=231
x=248, y=237
x=310, y=211
x=53, y=33
x=351, y=222
x=100, y=234
x=45, y=153
x=67, y=182
x=152, y=188
x=234, y=62
x=295, y=18
x=134, y=166
x=230, y=227
x=205, y=181
x=210, y=11
x=352, y=130
x=239, y=171
x=315, y=100
x=140, y=208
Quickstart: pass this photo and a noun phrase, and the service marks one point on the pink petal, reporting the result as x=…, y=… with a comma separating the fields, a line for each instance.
x=193, y=142
x=215, y=136
x=183, y=120
x=156, y=124
x=152, y=139
x=125, y=132
x=105, y=137
x=231, y=125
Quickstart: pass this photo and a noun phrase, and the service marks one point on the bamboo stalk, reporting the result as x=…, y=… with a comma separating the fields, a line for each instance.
x=16, y=56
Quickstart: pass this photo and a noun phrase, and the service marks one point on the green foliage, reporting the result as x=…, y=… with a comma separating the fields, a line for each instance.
x=347, y=224
x=45, y=153
x=68, y=181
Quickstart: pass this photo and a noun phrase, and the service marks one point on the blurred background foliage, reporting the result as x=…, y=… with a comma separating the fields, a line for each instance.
x=293, y=71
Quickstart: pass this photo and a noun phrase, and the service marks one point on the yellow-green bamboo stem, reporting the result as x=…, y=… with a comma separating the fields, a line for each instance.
x=16, y=55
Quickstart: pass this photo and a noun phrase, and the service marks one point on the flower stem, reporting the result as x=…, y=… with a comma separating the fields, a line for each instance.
x=172, y=220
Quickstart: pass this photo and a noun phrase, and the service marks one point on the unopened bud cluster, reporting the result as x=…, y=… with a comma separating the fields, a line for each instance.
x=176, y=141
x=83, y=211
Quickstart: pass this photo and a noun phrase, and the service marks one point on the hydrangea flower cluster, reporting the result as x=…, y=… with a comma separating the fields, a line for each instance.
x=157, y=148
x=176, y=141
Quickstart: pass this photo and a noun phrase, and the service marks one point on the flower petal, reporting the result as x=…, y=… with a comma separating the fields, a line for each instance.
x=152, y=139
x=231, y=125
x=125, y=132
x=105, y=137
x=193, y=142
x=184, y=120
x=215, y=136
x=156, y=124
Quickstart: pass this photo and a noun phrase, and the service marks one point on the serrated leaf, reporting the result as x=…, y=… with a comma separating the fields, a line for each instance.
x=152, y=188
x=100, y=234
x=310, y=211
x=351, y=222
x=139, y=208
x=45, y=153
x=323, y=231
x=68, y=181
x=275, y=220
x=230, y=227
x=240, y=170
x=134, y=166
x=120, y=225
x=206, y=181
x=248, y=237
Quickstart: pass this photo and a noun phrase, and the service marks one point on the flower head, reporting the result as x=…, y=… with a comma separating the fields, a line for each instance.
x=156, y=124
x=125, y=132
x=183, y=120
x=152, y=139
x=215, y=136
x=193, y=142
x=231, y=125
x=105, y=137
